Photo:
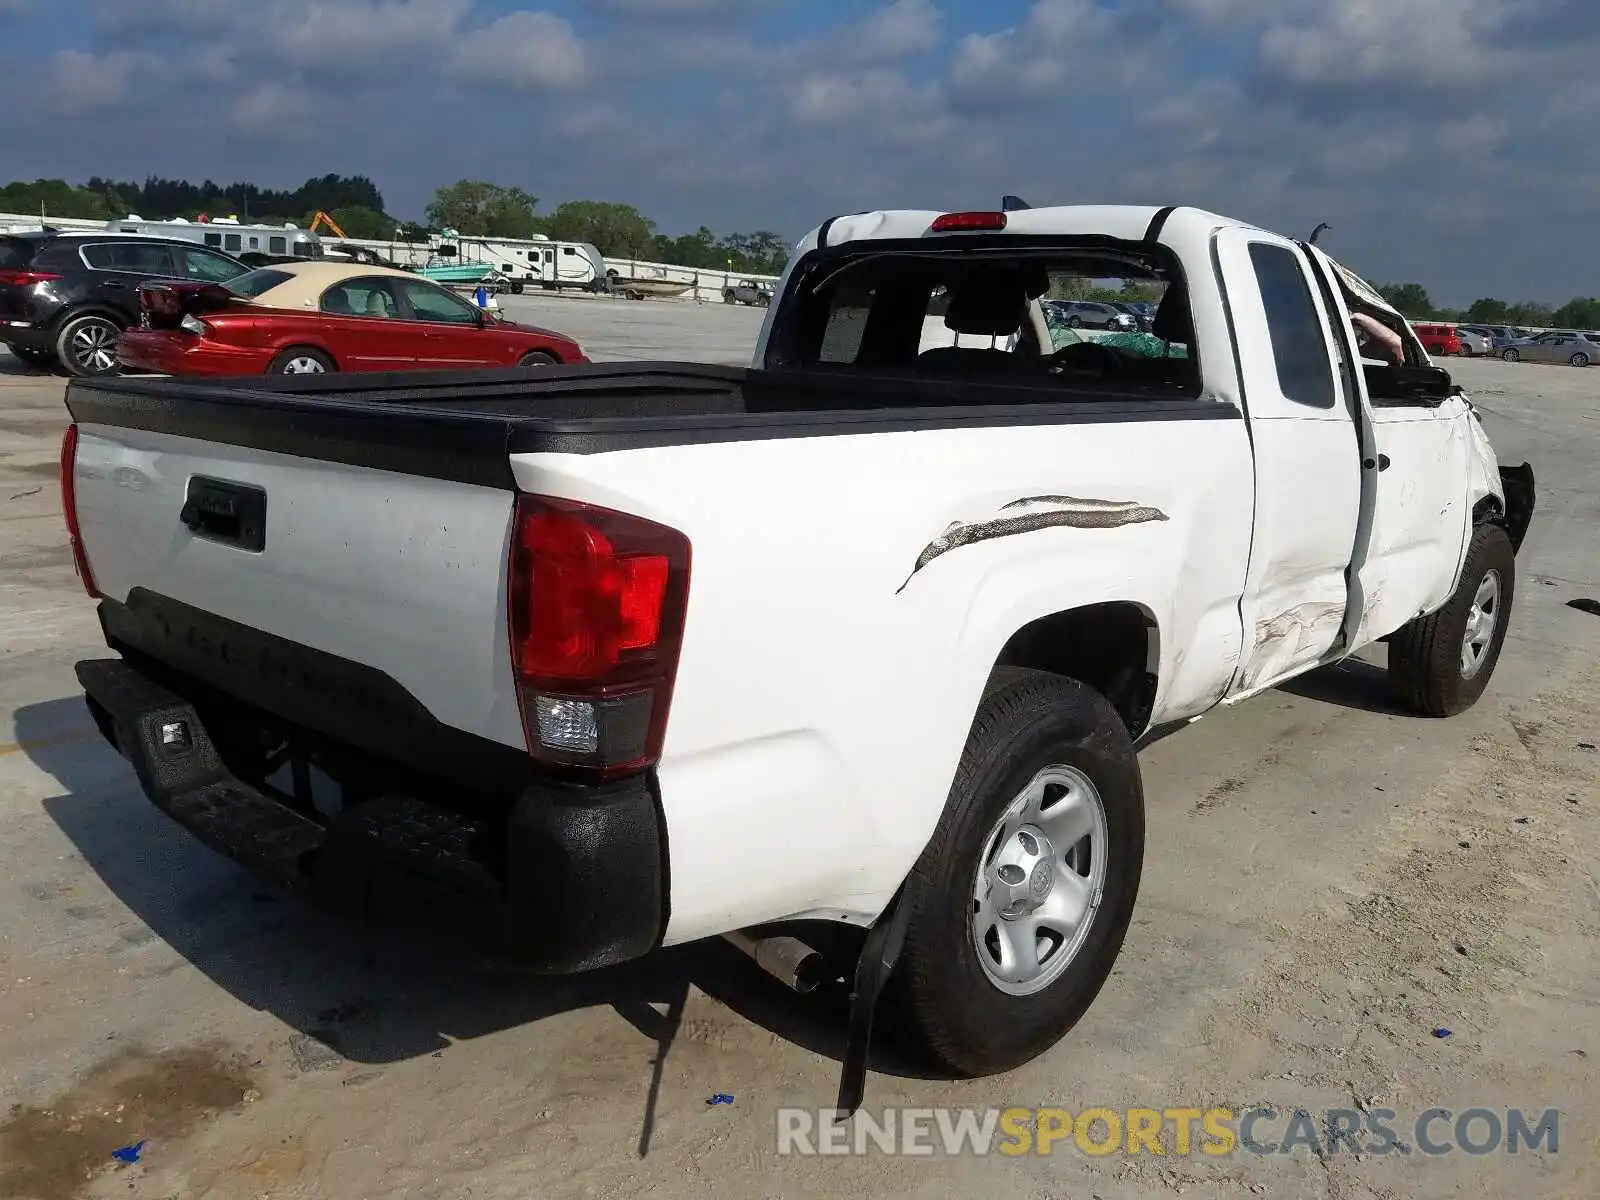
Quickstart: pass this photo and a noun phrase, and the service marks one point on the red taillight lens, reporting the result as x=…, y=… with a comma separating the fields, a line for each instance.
x=24, y=278
x=69, y=507
x=953, y=222
x=597, y=601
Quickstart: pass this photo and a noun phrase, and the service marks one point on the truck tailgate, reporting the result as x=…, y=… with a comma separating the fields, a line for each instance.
x=402, y=574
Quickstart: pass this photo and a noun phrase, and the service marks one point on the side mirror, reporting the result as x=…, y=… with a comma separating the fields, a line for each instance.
x=1423, y=386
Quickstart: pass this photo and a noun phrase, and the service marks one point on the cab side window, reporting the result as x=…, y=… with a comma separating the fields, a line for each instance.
x=1299, y=347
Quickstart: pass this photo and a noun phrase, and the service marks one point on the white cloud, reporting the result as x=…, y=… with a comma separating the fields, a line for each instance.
x=274, y=108
x=878, y=99
x=1229, y=12
x=331, y=32
x=898, y=30
x=83, y=83
x=1059, y=43
x=531, y=51
x=1413, y=42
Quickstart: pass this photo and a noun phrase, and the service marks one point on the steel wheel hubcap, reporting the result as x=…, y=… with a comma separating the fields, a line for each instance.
x=1039, y=881
x=1482, y=618
x=94, y=346
x=303, y=366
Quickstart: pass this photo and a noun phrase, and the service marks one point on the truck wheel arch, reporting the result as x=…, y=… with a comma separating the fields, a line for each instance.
x=1113, y=647
x=1513, y=510
x=1110, y=647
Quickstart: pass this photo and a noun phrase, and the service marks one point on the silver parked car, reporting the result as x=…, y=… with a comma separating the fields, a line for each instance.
x=1556, y=345
x=1095, y=314
x=1501, y=335
x=1474, y=339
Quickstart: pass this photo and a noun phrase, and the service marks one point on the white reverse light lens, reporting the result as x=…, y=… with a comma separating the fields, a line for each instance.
x=568, y=725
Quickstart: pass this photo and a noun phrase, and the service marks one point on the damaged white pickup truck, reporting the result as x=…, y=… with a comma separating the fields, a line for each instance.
x=861, y=638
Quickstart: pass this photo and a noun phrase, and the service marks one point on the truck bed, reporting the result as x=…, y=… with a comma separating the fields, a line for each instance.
x=462, y=426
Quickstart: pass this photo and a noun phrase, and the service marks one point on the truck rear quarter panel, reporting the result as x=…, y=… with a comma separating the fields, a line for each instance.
x=828, y=682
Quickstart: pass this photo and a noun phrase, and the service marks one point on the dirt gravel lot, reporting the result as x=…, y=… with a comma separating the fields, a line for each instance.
x=1327, y=882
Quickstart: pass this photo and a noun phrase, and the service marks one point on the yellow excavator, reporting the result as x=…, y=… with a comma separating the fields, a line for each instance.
x=322, y=218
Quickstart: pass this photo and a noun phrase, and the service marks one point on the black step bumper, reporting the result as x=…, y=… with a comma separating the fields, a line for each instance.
x=570, y=878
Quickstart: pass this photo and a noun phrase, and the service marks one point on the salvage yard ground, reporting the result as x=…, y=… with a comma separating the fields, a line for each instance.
x=1327, y=882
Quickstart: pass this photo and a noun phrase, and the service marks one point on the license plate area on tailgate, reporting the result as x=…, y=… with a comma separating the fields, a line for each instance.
x=232, y=514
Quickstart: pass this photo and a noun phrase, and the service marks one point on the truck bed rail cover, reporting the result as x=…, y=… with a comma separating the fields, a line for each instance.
x=463, y=426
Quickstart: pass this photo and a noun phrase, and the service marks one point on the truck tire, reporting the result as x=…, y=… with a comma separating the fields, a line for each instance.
x=1003, y=952
x=538, y=358
x=1441, y=663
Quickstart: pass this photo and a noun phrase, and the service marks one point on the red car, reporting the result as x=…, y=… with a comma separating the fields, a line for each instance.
x=1438, y=339
x=306, y=318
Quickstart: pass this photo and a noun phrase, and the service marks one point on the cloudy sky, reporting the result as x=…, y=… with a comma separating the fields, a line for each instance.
x=1453, y=142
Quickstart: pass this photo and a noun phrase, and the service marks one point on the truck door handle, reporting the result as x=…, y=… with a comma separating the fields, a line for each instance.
x=1382, y=463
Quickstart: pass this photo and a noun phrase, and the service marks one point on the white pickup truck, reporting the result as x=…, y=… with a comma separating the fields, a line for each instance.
x=844, y=654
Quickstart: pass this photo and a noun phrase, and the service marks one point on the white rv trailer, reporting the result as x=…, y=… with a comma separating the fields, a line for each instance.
x=228, y=235
x=539, y=262
x=532, y=262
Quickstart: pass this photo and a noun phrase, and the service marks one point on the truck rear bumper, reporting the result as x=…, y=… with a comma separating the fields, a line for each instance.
x=568, y=879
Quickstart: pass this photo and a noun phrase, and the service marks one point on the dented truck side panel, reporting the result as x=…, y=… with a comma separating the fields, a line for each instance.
x=1306, y=464
x=879, y=577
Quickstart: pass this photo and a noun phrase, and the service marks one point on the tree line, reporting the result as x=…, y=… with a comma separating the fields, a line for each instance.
x=469, y=207
x=1413, y=302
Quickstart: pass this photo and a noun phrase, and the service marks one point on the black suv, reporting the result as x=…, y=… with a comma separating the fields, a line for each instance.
x=67, y=297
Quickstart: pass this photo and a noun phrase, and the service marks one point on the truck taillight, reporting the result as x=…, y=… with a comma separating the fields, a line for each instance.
x=69, y=507
x=596, y=601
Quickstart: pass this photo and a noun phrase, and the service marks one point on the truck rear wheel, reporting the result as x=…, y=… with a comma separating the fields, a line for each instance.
x=1019, y=904
x=1441, y=663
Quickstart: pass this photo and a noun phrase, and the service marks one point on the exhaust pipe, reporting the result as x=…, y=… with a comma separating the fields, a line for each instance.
x=786, y=959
